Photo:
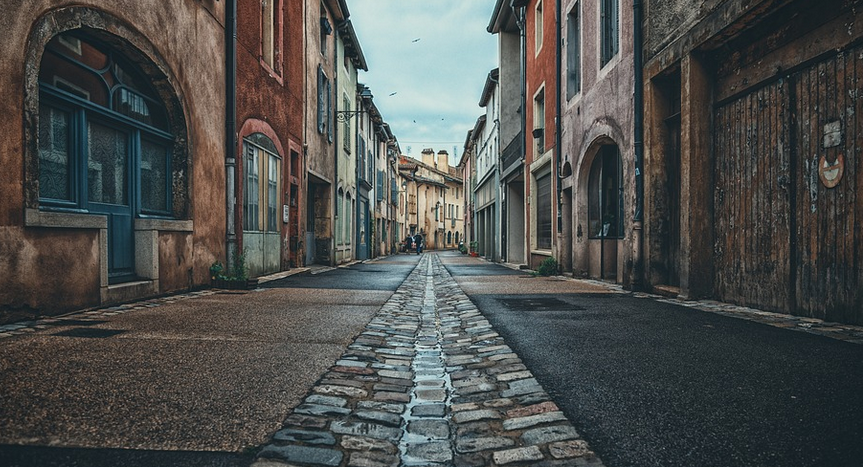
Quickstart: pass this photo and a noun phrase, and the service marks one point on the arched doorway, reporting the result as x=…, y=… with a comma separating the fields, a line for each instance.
x=262, y=216
x=605, y=212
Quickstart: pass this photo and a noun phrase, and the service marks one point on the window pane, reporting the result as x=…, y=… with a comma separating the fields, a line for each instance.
x=107, y=165
x=54, y=154
x=154, y=176
x=543, y=212
x=273, y=195
x=251, y=190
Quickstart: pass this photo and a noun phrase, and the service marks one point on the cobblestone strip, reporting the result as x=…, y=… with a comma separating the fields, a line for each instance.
x=427, y=383
x=28, y=327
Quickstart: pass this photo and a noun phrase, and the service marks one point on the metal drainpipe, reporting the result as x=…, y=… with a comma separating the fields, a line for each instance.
x=557, y=126
x=519, y=13
x=638, y=219
x=230, y=130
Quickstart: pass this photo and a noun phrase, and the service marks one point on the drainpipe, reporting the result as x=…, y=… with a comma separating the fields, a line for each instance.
x=519, y=12
x=638, y=219
x=230, y=129
x=557, y=126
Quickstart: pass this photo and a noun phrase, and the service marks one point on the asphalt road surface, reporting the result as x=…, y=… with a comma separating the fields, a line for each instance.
x=193, y=382
x=652, y=384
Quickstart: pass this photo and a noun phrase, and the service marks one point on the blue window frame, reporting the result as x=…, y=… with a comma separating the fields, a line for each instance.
x=90, y=96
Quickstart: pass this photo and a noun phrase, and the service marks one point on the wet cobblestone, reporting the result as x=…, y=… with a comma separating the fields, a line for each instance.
x=428, y=383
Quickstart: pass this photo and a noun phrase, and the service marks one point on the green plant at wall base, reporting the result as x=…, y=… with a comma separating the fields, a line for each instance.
x=241, y=272
x=474, y=246
x=548, y=267
x=216, y=270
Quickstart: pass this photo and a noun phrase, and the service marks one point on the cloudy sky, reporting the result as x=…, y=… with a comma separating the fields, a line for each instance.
x=428, y=61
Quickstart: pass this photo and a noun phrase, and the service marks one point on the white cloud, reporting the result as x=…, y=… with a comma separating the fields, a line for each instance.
x=438, y=78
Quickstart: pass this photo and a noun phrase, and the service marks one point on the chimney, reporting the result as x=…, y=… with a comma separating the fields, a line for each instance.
x=443, y=161
x=428, y=157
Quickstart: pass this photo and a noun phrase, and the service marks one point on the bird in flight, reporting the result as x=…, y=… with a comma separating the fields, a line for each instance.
x=416, y=40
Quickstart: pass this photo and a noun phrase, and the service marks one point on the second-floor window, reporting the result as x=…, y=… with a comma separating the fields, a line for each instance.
x=538, y=25
x=609, y=30
x=271, y=12
x=539, y=121
x=573, y=53
x=346, y=139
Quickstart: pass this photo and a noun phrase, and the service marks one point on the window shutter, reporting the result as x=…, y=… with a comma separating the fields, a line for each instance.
x=329, y=122
x=321, y=101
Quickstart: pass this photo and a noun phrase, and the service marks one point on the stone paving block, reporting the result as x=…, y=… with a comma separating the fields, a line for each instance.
x=355, y=363
x=305, y=436
x=382, y=406
x=386, y=396
x=396, y=374
x=533, y=420
x=352, y=370
x=532, y=410
x=397, y=382
x=305, y=421
x=432, y=429
x=432, y=383
x=521, y=390
x=483, y=444
x=435, y=451
x=498, y=403
x=569, y=449
x=478, y=388
x=361, y=443
x=549, y=434
x=516, y=375
x=303, y=455
x=372, y=459
x=318, y=399
x=525, y=454
x=321, y=410
x=370, y=430
x=330, y=390
x=429, y=410
x=466, y=406
x=475, y=415
x=390, y=388
x=385, y=418
x=433, y=395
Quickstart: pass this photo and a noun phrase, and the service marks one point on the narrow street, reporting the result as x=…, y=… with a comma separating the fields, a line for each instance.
x=439, y=359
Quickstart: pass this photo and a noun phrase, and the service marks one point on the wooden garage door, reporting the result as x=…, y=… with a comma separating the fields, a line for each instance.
x=752, y=204
x=785, y=239
x=828, y=238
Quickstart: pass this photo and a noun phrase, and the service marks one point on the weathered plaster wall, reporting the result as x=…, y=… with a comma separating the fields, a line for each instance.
x=602, y=113
x=270, y=100
x=541, y=73
x=185, y=35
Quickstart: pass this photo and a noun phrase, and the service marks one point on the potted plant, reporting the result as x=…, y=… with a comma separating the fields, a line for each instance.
x=474, y=246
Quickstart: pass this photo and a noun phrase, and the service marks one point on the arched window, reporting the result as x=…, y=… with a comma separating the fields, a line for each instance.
x=449, y=238
x=456, y=237
x=262, y=167
x=605, y=194
x=349, y=203
x=103, y=132
x=340, y=218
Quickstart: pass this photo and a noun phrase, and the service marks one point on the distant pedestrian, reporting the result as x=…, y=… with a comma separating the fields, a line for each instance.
x=418, y=242
x=408, y=244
